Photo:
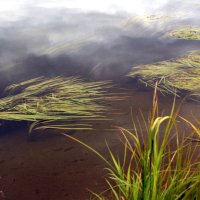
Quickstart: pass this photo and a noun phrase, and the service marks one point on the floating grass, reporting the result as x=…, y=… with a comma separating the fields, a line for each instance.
x=180, y=75
x=187, y=33
x=59, y=103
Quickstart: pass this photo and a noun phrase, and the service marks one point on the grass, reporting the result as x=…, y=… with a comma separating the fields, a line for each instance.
x=180, y=75
x=58, y=103
x=160, y=165
x=187, y=33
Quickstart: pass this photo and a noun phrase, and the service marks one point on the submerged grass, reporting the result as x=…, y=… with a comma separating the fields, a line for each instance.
x=181, y=74
x=59, y=103
x=161, y=166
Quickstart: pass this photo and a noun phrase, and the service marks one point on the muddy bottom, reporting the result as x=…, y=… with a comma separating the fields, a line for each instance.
x=55, y=168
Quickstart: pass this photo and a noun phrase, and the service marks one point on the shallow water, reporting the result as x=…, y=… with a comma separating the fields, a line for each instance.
x=47, y=40
x=53, y=167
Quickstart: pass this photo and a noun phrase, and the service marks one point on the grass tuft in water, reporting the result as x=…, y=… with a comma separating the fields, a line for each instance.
x=161, y=166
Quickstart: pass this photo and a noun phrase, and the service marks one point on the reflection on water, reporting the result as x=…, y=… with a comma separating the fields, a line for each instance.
x=75, y=37
x=58, y=41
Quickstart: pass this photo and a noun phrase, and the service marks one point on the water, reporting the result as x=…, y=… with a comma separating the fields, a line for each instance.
x=41, y=39
x=98, y=41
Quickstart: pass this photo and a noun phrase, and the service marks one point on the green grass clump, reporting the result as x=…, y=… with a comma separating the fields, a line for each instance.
x=59, y=103
x=181, y=74
x=187, y=33
x=158, y=165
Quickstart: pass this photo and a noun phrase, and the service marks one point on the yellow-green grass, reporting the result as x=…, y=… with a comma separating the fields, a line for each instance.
x=156, y=165
x=59, y=103
x=187, y=33
x=181, y=74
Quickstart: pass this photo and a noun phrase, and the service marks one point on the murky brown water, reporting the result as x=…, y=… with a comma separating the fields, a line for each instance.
x=55, y=168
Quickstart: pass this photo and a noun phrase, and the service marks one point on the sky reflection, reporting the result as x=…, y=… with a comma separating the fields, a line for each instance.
x=95, y=39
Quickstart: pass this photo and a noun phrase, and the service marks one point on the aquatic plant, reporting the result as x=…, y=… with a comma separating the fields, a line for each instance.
x=59, y=103
x=188, y=33
x=181, y=74
x=152, y=168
